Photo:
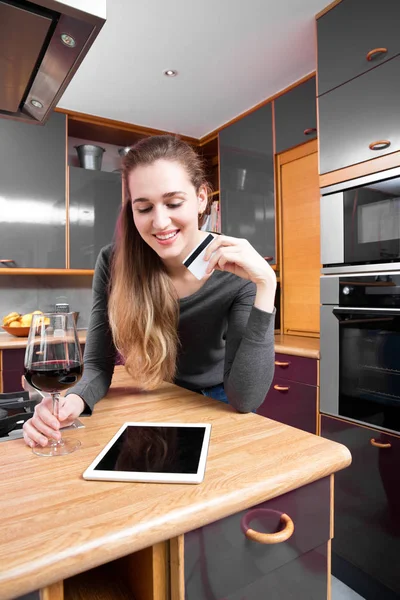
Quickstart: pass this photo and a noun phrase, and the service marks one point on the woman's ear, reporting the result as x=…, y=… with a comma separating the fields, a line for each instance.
x=202, y=199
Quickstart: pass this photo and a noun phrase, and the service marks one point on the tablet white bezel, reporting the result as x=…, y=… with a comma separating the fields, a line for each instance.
x=137, y=476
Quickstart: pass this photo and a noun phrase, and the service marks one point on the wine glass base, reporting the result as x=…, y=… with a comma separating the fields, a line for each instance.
x=65, y=446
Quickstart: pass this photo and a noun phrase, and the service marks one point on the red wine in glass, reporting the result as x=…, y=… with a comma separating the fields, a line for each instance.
x=53, y=364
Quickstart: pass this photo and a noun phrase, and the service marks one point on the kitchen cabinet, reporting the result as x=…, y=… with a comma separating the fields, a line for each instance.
x=13, y=369
x=247, y=181
x=221, y=563
x=367, y=510
x=349, y=33
x=95, y=198
x=355, y=117
x=299, y=196
x=32, y=193
x=293, y=396
x=296, y=116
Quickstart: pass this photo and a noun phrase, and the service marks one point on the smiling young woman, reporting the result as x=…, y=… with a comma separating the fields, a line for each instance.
x=214, y=336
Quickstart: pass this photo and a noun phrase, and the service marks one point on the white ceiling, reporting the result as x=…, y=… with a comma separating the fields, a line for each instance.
x=230, y=55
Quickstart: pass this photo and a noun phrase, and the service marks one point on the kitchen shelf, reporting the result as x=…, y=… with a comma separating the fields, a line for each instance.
x=18, y=271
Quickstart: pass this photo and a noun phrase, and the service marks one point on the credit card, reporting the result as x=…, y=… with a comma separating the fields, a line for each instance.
x=195, y=261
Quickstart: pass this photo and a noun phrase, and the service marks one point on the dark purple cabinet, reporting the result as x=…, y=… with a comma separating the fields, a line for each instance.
x=13, y=369
x=296, y=368
x=293, y=396
x=366, y=544
x=221, y=563
x=291, y=403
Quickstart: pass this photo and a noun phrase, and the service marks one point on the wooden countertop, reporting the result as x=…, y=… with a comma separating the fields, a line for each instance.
x=9, y=342
x=297, y=345
x=54, y=524
x=286, y=344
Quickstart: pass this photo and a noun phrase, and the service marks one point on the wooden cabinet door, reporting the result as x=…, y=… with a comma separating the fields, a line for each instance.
x=364, y=111
x=295, y=116
x=247, y=181
x=32, y=193
x=348, y=33
x=95, y=198
x=300, y=198
x=367, y=510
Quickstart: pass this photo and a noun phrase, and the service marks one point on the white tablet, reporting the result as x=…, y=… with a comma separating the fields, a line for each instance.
x=154, y=452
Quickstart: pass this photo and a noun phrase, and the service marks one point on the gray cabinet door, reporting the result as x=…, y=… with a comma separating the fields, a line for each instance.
x=247, y=181
x=351, y=30
x=95, y=199
x=296, y=116
x=32, y=193
x=355, y=115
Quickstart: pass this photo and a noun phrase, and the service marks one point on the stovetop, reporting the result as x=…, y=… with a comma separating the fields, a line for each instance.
x=15, y=409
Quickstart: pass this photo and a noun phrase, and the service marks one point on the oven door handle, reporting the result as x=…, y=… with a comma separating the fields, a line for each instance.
x=381, y=312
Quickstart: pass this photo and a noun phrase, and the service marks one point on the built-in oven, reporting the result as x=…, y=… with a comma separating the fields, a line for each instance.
x=360, y=348
x=360, y=224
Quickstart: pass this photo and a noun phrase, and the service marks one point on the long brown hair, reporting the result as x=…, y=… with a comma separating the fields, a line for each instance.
x=143, y=306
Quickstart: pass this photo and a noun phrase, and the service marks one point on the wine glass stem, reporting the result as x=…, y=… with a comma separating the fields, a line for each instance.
x=56, y=406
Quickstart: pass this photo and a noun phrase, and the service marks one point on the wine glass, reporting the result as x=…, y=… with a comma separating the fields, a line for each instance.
x=53, y=363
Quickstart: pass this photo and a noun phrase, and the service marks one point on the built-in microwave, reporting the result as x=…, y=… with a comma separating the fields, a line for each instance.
x=360, y=224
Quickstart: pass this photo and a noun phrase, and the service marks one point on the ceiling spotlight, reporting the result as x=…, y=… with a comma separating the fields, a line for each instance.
x=36, y=103
x=171, y=73
x=68, y=40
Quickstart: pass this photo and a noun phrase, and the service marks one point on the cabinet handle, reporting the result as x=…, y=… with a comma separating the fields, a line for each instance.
x=267, y=538
x=268, y=258
x=379, y=145
x=282, y=364
x=310, y=130
x=281, y=388
x=379, y=444
x=6, y=260
x=376, y=53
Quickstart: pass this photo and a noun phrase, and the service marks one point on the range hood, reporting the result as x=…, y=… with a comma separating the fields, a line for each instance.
x=42, y=44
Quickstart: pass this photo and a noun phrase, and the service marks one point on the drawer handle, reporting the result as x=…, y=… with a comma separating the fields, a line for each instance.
x=376, y=53
x=281, y=388
x=282, y=364
x=379, y=145
x=268, y=258
x=6, y=260
x=267, y=538
x=379, y=444
x=310, y=130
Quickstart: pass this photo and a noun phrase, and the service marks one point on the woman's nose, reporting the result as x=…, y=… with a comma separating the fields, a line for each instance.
x=161, y=219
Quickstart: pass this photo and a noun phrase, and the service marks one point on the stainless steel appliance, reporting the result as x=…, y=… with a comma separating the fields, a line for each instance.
x=360, y=224
x=42, y=44
x=360, y=348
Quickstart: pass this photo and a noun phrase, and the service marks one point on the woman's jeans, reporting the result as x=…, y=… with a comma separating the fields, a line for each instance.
x=217, y=392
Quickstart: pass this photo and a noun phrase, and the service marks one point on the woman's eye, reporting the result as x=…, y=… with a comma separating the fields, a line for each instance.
x=144, y=210
x=175, y=205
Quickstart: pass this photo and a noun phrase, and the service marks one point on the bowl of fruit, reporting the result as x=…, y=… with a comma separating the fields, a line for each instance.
x=19, y=325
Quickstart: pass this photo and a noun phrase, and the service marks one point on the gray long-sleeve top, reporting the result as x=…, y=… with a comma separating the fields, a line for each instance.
x=224, y=338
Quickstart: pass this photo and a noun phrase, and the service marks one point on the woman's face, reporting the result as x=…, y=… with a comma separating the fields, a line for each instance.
x=165, y=209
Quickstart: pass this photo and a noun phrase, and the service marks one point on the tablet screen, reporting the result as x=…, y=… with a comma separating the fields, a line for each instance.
x=170, y=452
x=155, y=449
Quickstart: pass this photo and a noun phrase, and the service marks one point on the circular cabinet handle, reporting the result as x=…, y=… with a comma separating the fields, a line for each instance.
x=268, y=258
x=379, y=444
x=282, y=388
x=267, y=538
x=310, y=130
x=379, y=145
x=282, y=364
x=376, y=53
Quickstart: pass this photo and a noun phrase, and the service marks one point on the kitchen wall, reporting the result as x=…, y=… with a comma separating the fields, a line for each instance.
x=26, y=293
